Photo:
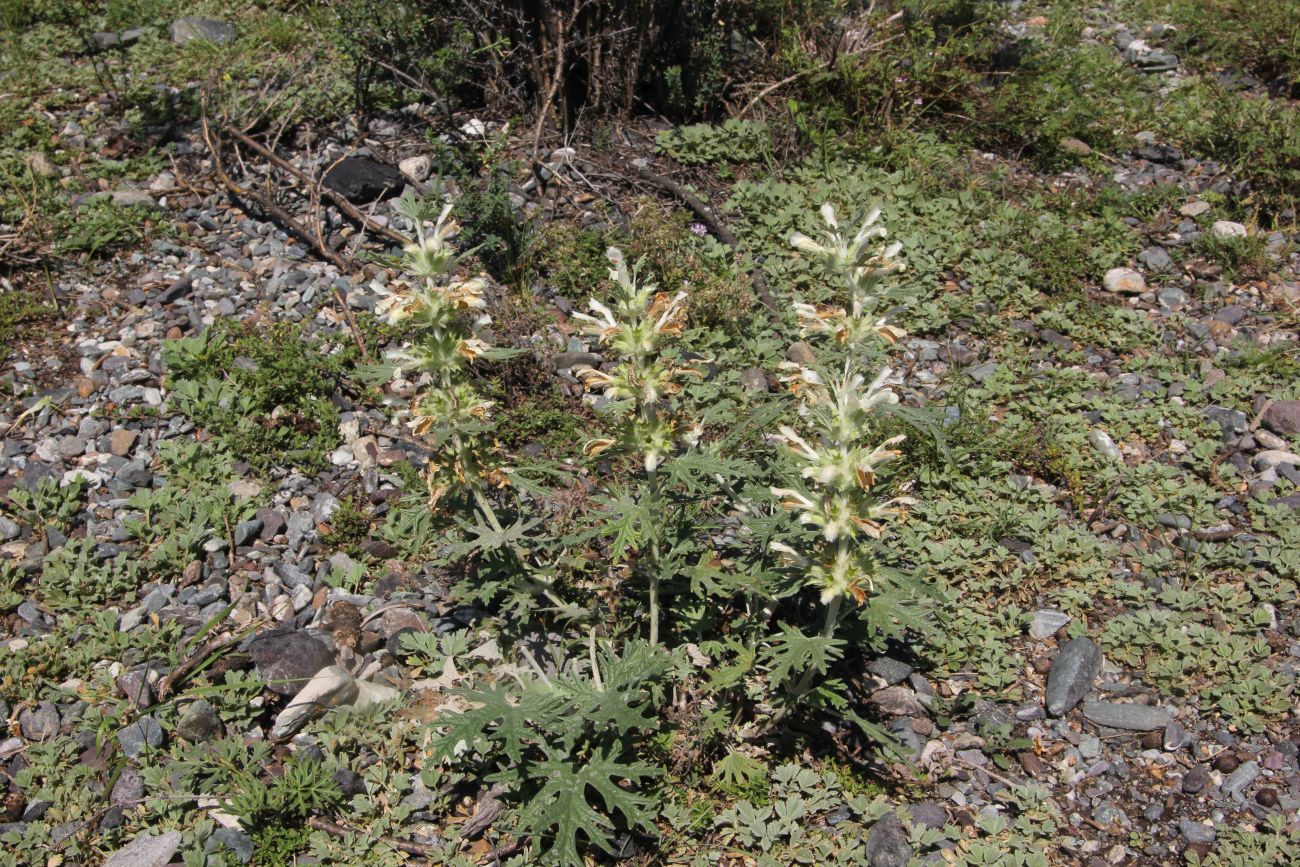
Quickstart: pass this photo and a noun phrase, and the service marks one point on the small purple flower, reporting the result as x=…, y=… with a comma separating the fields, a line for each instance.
x=699, y=229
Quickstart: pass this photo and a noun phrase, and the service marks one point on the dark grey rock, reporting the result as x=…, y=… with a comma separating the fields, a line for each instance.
x=288, y=659
x=1130, y=717
x=1232, y=422
x=1196, y=780
x=887, y=844
x=39, y=723
x=1075, y=667
x=362, y=180
x=929, y=814
x=9, y=530
x=144, y=733
x=136, y=474
x=1195, y=832
x=272, y=524
x=178, y=289
x=1155, y=259
x=198, y=722
x=246, y=531
x=135, y=686
x=890, y=670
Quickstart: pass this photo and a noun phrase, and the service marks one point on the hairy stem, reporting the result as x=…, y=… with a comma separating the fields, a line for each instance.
x=652, y=493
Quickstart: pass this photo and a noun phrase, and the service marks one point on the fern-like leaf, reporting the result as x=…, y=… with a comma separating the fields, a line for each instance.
x=563, y=810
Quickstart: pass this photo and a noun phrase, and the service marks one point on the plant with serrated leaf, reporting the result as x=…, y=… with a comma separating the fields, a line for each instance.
x=638, y=323
x=837, y=452
x=564, y=746
x=448, y=318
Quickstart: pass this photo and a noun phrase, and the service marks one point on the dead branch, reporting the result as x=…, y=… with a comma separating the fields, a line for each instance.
x=339, y=201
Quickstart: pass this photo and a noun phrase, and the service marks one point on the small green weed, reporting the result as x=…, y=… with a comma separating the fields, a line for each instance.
x=264, y=392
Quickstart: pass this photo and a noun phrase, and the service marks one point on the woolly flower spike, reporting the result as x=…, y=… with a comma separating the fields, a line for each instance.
x=636, y=323
x=429, y=255
x=862, y=265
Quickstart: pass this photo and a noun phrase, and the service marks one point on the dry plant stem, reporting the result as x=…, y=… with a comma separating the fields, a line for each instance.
x=335, y=830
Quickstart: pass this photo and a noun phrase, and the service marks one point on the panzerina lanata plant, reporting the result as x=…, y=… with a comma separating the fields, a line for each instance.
x=637, y=324
x=448, y=319
x=837, y=454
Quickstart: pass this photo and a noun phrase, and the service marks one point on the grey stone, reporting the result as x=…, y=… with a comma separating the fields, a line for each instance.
x=1176, y=736
x=146, y=851
x=287, y=659
x=9, y=530
x=887, y=844
x=128, y=790
x=272, y=524
x=39, y=723
x=193, y=29
x=753, y=379
x=1239, y=780
x=1283, y=417
x=1046, y=622
x=1155, y=259
x=135, y=738
x=1232, y=422
x=1130, y=717
x=1107, y=813
x=929, y=814
x=1171, y=297
x=246, y=531
x=981, y=372
x=1075, y=667
x=198, y=722
x=324, y=507
x=1195, y=832
x=1227, y=229
x=890, y=670
x=135, y=686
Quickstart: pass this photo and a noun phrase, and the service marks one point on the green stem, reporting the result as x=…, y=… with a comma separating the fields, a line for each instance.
x=652, y=493
x=828, y=631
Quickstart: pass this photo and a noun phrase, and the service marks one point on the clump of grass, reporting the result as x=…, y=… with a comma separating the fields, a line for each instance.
x=19, y=312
